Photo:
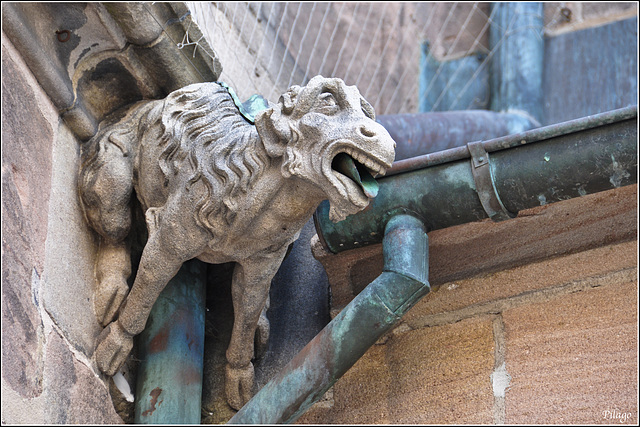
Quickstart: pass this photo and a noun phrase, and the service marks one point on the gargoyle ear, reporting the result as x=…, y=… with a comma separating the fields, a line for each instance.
x=274, y=130
x=288, y=99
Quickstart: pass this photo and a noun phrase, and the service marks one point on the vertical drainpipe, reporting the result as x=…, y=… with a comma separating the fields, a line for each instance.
x=171, y=350
x=516, y=38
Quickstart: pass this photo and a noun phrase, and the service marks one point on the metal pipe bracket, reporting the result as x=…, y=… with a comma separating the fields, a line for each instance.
x=485, y=186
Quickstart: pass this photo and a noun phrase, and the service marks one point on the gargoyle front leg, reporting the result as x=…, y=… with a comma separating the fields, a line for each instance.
x=249, y=291
x=157, y=267
x=163, y=255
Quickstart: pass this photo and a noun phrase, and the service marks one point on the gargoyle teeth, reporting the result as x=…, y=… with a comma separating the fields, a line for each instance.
x=367, y=162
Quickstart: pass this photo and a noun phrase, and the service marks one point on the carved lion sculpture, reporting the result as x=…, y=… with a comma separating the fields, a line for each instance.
x=216, y=187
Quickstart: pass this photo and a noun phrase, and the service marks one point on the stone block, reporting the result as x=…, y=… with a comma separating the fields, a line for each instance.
x=573, y=358
x=471, y=295
x=73, y=393
x=26, y=179
x=360, y=397
x=433, y=375
x=67, y=290
x=17, y=409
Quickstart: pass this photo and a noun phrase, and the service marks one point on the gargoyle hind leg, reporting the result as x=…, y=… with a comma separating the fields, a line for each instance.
x=163, y=255
x=106, y=192
x=113, y=267
x=249, y=291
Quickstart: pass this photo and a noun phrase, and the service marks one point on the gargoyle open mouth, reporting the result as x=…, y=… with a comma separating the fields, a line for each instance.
x=359, y=169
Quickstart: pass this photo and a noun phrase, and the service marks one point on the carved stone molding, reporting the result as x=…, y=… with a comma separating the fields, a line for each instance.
x=95, y=58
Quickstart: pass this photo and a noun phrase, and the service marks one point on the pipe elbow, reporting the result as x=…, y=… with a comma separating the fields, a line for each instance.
x=405, y=248
x=406, y=254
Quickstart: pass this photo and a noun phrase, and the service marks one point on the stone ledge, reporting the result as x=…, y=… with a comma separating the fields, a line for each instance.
x=436, y=375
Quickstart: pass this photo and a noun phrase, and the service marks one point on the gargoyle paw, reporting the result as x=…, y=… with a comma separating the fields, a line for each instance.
x=112, y=290
x=114, y=345
x=239, y=385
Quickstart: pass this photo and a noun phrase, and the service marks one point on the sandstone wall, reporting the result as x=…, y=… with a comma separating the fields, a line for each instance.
x=47, y=265
x=530, y=321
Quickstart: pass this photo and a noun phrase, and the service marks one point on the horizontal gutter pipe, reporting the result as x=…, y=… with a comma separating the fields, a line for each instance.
x=422, y=133
x=496, y=178
x=347, y=337
x=514, y=140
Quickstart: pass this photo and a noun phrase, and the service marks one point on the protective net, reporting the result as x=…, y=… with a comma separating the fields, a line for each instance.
x=381, y=47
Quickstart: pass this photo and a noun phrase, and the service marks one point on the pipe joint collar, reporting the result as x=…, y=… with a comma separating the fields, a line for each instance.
x=405, y=248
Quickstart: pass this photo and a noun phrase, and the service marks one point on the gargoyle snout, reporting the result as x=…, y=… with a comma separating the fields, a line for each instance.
x=367, y=132
x=372, y=131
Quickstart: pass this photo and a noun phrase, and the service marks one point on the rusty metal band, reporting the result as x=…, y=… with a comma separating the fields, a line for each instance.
x=485, y=187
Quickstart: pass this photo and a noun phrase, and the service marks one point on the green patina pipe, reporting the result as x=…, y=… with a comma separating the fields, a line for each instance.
x=348, y=336
x=524, y=170
x=171, y=349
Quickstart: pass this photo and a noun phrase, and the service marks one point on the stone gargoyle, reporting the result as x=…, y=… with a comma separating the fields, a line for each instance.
x=214, y=186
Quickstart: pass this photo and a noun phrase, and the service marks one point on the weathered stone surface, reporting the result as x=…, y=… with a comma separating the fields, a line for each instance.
x=221, y=189
x=53, y=45
x=68, y=278
x=74, y=394
x=519, y=281
x=26, y=170
x=436, y=375
x=90, y=67
x=17, y=409
x=573, y=358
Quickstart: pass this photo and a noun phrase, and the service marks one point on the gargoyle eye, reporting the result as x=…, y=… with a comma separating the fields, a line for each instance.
x=327, y=99
x=327, y=104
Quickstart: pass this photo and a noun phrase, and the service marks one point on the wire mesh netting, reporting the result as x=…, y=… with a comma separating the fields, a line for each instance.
x=381, y=47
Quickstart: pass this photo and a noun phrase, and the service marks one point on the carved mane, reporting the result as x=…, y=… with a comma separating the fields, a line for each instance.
x=205, y=134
